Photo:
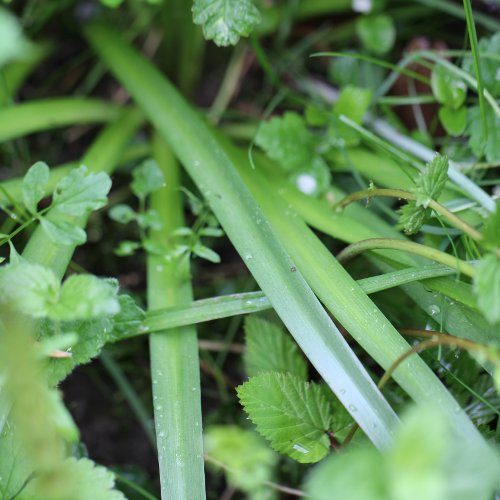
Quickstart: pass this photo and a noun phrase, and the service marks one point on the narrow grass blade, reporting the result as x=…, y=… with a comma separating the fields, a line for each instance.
x=250, y=233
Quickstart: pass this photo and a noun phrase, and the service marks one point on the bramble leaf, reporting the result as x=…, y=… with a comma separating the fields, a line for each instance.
x=270, y=349
x=62, y=232
x=34, y=183
x=487, y=287
x=225, y=21
x=411, y=217
x=431, y=182
x=287, y=140
x=292, y=414
x=147, y=178
x=78, y=193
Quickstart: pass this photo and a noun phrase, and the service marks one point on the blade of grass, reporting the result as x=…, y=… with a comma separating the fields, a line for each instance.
x=36, y=116
x=250, y=233
x=175, y=371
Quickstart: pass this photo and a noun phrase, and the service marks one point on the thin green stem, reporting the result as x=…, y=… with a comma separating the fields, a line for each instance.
x=406, y=195
x=406, y=246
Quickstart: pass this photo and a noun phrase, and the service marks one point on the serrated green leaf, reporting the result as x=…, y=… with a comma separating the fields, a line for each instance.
x=147, y=178
x=376, y=32
x=487, y=287
x=411, y=217
x=292, y=414
x=28, y=288
x=128, y=320
x=225, y=21
x=122, y=213
x=62, y=232
x=287, y=140
x=248, y=458
x=84, y=296
x=205, y=253
x=447, y=88
x=270, y=349
x=430, y=183
x=482, y=143
x=453, y=121
x=80, y=193
x=34, y=183
x=491, y=230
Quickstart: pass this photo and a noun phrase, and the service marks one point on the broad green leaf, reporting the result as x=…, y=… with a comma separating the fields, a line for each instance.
x=270, y=349
x=447, y=88
x=62, y=232
x=248, y=458
x=482, y=143
x=376, y=32
x=83, y=478
x=147, y=178
x=84, y=296
x=287, y=140
x=34, y=183
x=431, y=182
x=122, y=213
x=453, y=121
x=225, y=21
x=487, y=287
x=80, y=193
x=491, y=230
x=13, y=45
x=292, y=414
x=28, y=288
x=357, y=474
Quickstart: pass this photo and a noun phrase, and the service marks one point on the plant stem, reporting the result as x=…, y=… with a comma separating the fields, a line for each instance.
x=406, y=246
x=406, y=195
x=174, y=352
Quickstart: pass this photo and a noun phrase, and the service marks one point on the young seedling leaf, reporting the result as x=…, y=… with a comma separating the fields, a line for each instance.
x=122, y=213
x=149, y=220
x=411, y=217
x=62, y=232
x=447, y=88
x=79, y=194
x=487, y=287
x=83, y=297
x=376, y=32
x=225, y=21
x=205, y=253
x=248, y=458
x=453, y=121
x=292, y=414
x=287, y=140
x=430, y=183
x=270, y=349
x=34, y=183
x=147, y=178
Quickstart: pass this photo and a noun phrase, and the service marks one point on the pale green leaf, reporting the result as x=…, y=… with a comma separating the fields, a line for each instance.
x=62, y=232
x=269, y=348
x=13, y=45
x=85, y=296
x=149, y=220
x=491, y=230
x=453, y=121
x=128, y=320
x=225, y=21
x=376, y=32
x=28, y=288
x=447, y=88
x=127, y=248
x=248, y=458
x=80, y=193
x=287, y=140
x=484, y=143
x=205, y=253
x=147, y=178
x=430, y=183
x=122, y=213
x=487, y=287
x=34, y=183
x=292, y=414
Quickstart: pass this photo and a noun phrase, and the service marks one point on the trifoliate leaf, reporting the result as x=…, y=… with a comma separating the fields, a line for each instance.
x=453, y=121
x=292, y=414
x=225, y=21
x=287, y=140
x=484, y=142
x=376, y=32
x=431, y=182
x=491, y=230
x=147, y=178
x=28, y=288
x=270, y=349
x=78, y=193
x=122, y=213
x=487, y=287
x=62, y=232
x=412, y=218
x=13, y=45
x=205, y=253
x=34, y=183
x=84, y=296
x=447, y=88
x=248, y=458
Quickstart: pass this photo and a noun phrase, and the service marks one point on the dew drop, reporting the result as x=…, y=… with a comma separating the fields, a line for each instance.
x=300, y=448
x=352, y=408
x=434, y=309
